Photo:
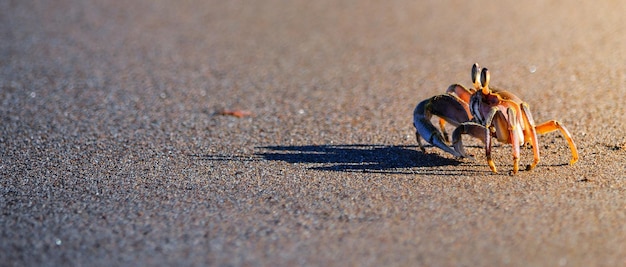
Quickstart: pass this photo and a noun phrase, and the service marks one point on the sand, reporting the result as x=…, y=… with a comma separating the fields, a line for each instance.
x=117, y=150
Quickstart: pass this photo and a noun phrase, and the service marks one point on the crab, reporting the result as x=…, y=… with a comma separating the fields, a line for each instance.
x=484, y=113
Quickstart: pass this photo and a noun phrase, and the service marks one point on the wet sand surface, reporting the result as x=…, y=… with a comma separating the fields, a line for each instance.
x=116, y=149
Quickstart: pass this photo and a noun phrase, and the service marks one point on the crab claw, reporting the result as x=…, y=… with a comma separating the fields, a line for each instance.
x=473, y=129
x=447, y=107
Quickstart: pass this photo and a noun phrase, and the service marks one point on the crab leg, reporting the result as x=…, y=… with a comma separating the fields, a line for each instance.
x=506, y=130
x=462, y=93
x=530, y=133
x=442, y=126
x=488, y=144
x=515, y=136
x=553, y=125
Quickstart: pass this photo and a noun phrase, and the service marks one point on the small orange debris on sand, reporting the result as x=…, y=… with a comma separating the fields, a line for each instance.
x=237, y=113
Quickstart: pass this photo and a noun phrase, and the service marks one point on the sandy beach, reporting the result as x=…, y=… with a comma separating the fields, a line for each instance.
x=279, y=133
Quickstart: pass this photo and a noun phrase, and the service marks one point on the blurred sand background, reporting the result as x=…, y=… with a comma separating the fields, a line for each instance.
x=114, y=153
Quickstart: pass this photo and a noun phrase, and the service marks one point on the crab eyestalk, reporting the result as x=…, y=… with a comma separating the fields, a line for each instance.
x=476, y=76
x=484, y=81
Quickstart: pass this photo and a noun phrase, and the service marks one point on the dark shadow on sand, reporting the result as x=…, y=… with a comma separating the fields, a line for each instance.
x=367, y=158
x=357, y=157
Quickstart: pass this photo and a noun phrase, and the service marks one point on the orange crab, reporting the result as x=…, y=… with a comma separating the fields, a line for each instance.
x=483, y=113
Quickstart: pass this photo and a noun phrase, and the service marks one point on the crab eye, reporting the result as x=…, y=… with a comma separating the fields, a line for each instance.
x=484, y=78
x=484, y=81
x=475, y=70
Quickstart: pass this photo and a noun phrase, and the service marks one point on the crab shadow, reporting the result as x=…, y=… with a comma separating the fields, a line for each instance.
x=359, y=158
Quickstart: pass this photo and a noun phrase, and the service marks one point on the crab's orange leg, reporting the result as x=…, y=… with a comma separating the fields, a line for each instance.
x=495, y=122
x=521, y=130
x=492, y=165
x=514, y=136
x=462, y=92
x=442, y=124
x=530, y=134
x=508, y=129
x=553, y=125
